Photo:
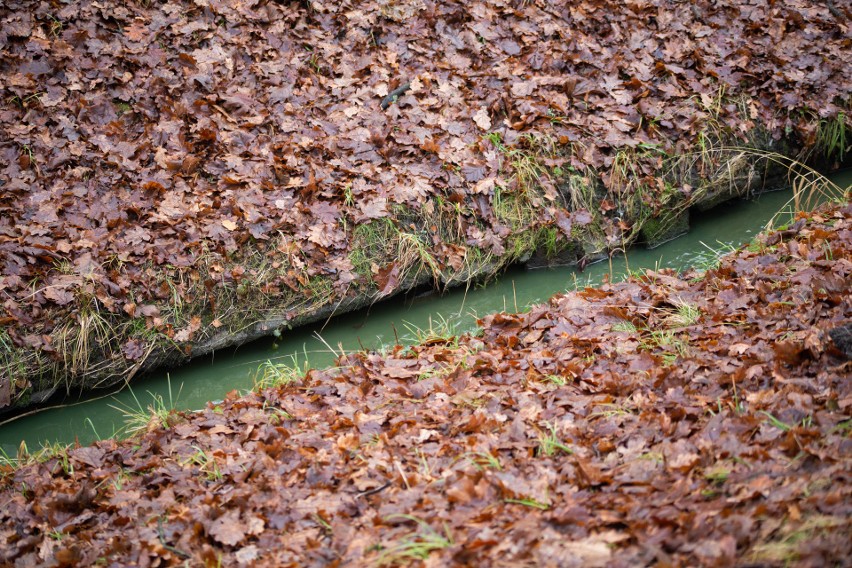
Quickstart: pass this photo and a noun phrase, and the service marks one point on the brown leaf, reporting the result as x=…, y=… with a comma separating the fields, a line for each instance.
x=387, y=279
x=228, y=529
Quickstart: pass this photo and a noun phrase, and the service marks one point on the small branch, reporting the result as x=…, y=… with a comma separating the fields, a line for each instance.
x=170, y=548
x=394, y=95
x=375, y=490
x=834, y=11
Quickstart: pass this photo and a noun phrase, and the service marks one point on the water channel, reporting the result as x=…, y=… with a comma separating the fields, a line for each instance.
x=209, y=378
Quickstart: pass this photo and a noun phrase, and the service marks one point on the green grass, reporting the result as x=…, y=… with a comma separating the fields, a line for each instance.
x=717, y=474
x=529, y=502
x=326, y=526
x=206, y=464
x=496, y=139
x=319, y=288
x=549, y=241
x=382, y=241
x=121, y=478
x=122, y=107
x=843, y=428
x=788, y=540
x=711, y=257
x=809, y=186
x=512, y=208
x=56, y=26
x=441, y=370
x=549, y=444
x=12, y=364
x=610, y=410
x=783, y=426
x=484, y=460
x=45, y=453
x=371, y=244
x=517, y=203
x=86, y=343
x=159, y=413
x=413, y=253
x=441, y=329
x=417, y=545
x=277, y=415
x=624, y=326
x=557, y=380
x=833, y=139
x=25, y=101
x=684, y=314
x=667, y=340
x=277, y=374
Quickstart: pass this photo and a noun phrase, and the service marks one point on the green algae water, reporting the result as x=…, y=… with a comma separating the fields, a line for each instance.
x=399, y=320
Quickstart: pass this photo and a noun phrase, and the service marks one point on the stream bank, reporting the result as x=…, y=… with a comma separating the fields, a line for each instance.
x=190, y=387
x=700, y=419
x=197, y=175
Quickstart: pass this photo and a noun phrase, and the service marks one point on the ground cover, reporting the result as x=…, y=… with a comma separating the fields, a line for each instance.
x=177, y=176
x=694, y=420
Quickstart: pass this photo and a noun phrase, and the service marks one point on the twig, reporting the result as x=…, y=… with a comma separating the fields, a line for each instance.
x=834, y=11
x=394, y=95
x=224, y=113
x=375, y=490
x=402, y=473
x=170, y=548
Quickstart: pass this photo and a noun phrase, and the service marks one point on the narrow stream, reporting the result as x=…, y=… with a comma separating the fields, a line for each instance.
x=209, y=378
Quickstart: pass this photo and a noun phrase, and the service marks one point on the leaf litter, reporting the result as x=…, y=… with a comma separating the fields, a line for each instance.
x=607, y=427
x=169, y=157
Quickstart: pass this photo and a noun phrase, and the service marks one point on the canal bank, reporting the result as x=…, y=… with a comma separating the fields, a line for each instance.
x=384, y=324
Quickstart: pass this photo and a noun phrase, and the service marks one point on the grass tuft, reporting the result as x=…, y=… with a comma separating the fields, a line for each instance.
x=88, y=339
x=833, y=139
x=45, y=453
x=550, y=444
x=416, y=546
x=439, y=330
x=529, y=502
x=206, y=464
x=270, y=374
x=683, y=315
x=484, y=460
x=786, y=546
x=159, y=414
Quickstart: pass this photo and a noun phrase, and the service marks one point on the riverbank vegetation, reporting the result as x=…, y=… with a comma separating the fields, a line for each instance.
x=700, y=419
x=178, y=177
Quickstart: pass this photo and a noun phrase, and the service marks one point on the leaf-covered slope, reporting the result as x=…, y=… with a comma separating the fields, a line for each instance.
x=682, y=421
x=166, y=165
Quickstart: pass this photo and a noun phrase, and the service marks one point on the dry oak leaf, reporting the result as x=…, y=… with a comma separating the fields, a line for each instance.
x=482, y=119
x=133, y=350
x=59, y=295
x=228, y=529
x=186, y=333
x=136, y=31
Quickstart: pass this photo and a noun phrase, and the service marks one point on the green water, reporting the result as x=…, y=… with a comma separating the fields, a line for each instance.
x=210, y=378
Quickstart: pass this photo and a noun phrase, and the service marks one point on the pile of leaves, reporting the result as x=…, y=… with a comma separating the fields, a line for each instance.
x=695, y=420
x=166, y=166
